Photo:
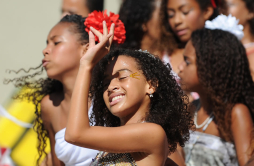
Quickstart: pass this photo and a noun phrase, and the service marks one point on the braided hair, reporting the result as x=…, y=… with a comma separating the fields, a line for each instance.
x=223, y=71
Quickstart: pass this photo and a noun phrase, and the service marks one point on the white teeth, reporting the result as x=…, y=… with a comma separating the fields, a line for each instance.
x=117, y=97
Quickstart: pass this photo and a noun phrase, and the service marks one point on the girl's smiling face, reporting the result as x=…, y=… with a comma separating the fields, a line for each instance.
x=125, y=88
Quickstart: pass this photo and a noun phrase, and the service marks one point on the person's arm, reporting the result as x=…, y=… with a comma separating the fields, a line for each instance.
x=177, y=156
x=45, y=113
x=142, y=137
x=47, y=161
x=241, y=129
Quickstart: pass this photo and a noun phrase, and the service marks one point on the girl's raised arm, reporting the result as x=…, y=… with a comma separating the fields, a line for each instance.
x=143, y=137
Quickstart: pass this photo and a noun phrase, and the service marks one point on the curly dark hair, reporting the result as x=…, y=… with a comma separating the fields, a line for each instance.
x=168, y=32
x=42, y=87
x=135, y=13
x=168, y=106
x=223, y=70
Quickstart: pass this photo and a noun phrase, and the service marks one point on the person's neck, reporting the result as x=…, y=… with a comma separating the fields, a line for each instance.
x=68, y=82
x=248, y=37
x=205, y=103
x=151, y=45
x=137, y=116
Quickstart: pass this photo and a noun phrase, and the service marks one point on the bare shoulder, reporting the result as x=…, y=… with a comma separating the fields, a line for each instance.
x=240, y=111
x=155, y=132
x=46, y=106
x=241, y=117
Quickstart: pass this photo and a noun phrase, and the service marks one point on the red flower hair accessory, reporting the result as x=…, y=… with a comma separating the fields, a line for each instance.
x=214, y=4
x=95, y=20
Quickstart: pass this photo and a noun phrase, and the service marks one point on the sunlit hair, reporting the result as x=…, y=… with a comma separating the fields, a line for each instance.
x=42, y=87
x=223, y=71
x=168, y=106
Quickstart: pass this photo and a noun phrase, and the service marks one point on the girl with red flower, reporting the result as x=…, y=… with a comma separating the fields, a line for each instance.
x=139, y=109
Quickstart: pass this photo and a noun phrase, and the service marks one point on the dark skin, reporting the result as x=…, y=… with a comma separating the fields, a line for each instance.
x=242, y=124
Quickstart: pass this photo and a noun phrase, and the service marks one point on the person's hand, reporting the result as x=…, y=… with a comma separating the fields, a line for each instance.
x=96, y=52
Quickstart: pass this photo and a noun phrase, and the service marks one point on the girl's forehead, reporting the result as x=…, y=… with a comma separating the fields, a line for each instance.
x=61, y=29
x=121, y=62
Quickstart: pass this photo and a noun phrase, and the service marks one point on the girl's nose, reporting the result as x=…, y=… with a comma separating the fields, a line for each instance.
x=45, y=51
x=181, y=66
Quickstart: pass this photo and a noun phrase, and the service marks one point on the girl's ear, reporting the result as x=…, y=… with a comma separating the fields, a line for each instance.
x=251, y=15
x=144, y=27
x=84, y=49
x=151, y=89
x=208, y=13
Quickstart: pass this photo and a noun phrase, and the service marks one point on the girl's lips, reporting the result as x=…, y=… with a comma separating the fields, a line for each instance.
x=112, y=103
x=181, y=32
x=45, y=63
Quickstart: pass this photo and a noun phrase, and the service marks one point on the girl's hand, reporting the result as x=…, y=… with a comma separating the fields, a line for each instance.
x=96, y=52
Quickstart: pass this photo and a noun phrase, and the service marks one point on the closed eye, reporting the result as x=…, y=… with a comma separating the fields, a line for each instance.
x=121, y=78
x=56, y=43
x=185, y=13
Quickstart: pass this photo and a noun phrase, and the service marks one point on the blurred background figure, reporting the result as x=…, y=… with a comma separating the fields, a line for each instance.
x=244, y=11
x=81, y=7
x=181, y=18
x=143, y=26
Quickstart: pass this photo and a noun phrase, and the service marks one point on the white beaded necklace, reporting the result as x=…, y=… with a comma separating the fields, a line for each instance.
x=203, y=124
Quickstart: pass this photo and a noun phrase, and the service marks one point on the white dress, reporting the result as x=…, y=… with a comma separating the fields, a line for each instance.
x=70, y=154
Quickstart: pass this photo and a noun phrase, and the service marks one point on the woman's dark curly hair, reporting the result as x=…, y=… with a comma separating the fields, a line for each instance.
x=42, y=87
x=223, y=70
x=168, y=32
x=134, y=14
x=168, y=106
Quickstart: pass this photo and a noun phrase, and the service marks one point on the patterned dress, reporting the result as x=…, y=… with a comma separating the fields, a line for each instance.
x=208, y=150
x=113, y=159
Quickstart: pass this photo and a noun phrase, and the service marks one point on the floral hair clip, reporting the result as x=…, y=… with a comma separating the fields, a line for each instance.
x=95, y=20
x=226, y=23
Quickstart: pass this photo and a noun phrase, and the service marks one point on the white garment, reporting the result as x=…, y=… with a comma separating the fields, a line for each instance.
x=70, y=154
